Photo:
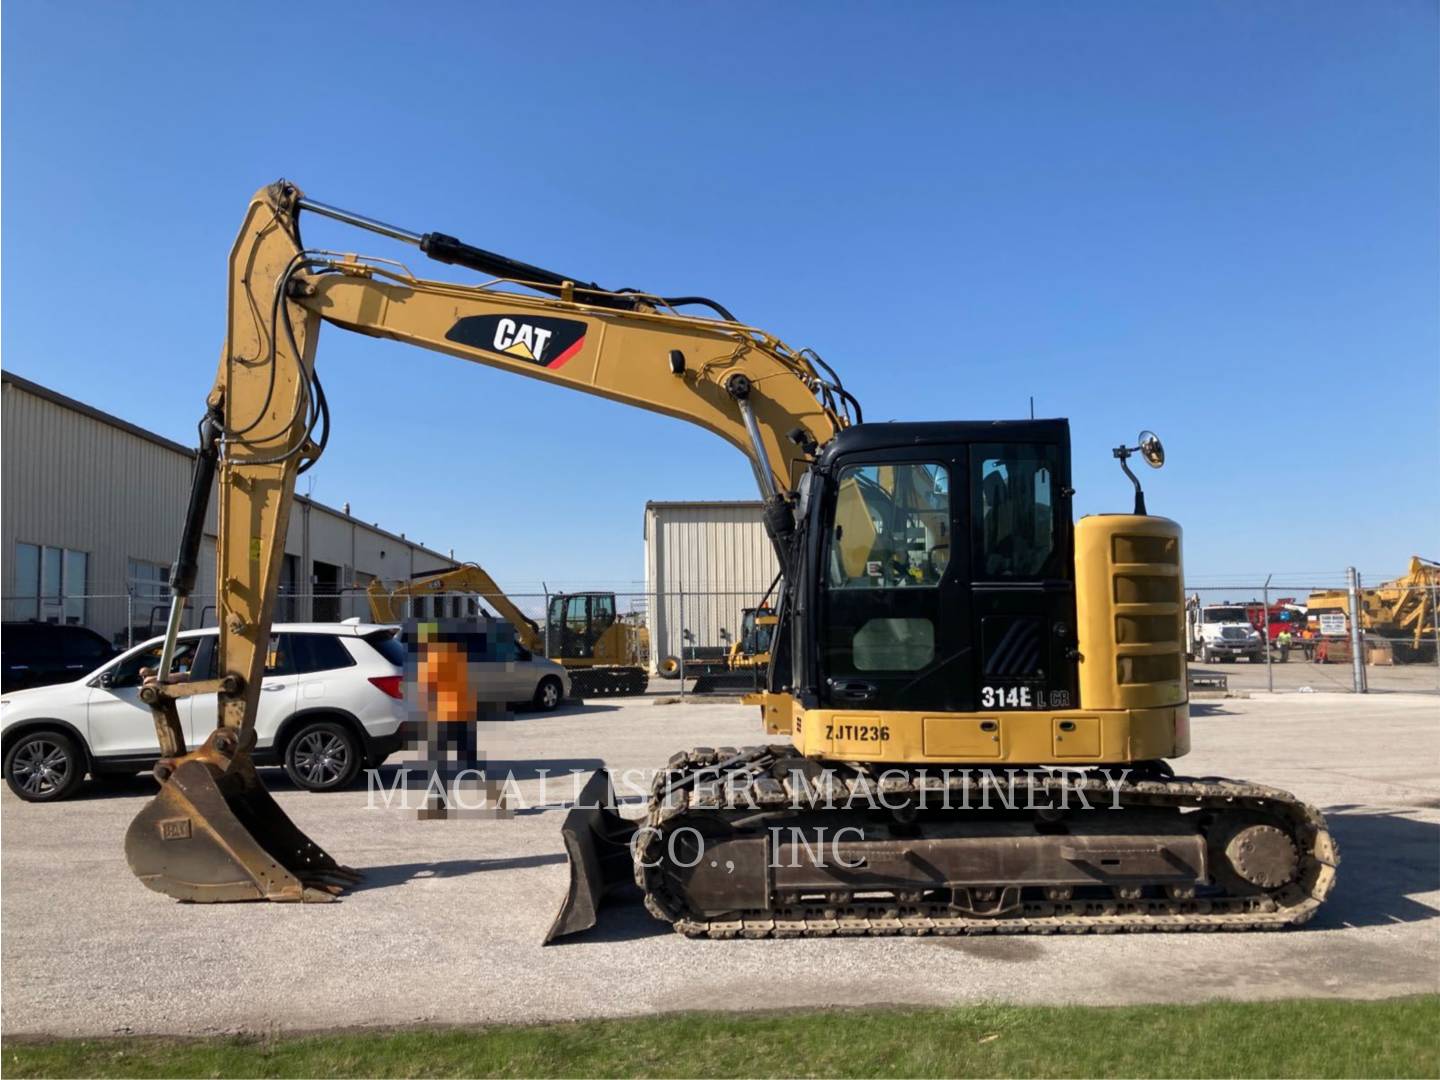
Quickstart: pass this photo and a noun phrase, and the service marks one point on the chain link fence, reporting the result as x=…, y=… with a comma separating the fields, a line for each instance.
x=1294, y=632
x=1277, y=633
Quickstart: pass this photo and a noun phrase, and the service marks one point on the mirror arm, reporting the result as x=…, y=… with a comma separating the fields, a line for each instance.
x=1122, y=454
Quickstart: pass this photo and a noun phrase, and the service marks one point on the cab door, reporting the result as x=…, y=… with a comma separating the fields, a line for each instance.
x=1023, y=586
x=895, y=611
x=603, y=642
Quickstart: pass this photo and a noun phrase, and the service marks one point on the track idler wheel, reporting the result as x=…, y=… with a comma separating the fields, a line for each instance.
x=1262, y=855
x=213, y=834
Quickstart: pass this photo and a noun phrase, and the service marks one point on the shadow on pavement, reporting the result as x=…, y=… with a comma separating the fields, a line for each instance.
x=1385, y=858
x=557, y=772
x=621, y=918
x=1205, y=708
x=383, y=877
x=576, y=707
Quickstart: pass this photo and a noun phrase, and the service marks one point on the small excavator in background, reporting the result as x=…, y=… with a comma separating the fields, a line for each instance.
x=605, y=655
x=943, y=623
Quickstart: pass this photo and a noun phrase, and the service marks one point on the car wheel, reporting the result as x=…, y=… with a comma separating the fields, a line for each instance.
x=549, y=694
x=669, y=668
x=322, y=756
x=44, y=766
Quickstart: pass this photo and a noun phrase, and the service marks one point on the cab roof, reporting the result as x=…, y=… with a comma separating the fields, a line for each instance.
x=898, y=435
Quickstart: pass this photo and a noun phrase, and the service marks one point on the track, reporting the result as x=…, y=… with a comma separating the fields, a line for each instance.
x=608, y=682
x=727, y=793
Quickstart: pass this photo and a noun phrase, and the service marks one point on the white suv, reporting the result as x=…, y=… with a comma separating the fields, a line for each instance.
x=331, y=702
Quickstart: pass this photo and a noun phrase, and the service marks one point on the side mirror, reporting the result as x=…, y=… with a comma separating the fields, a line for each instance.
x=1151, y=449
x=107, y=680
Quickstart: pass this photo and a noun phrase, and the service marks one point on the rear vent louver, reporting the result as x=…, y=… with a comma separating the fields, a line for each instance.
x=1147, y=669
x=1133, y=588
x=1149, y=607
x=1144, y=629
x=1147, y=549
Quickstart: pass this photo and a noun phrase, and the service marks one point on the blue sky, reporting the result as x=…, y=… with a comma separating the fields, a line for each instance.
x=1218, y=221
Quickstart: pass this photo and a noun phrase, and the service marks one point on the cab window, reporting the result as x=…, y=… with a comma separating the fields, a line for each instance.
x=576, y=616
x=602, y=613
x=888, y=551
x=889, y=644
x=1014, y=493
x=891, y=527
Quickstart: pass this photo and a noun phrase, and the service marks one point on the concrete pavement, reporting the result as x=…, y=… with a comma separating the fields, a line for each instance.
x=447, y=925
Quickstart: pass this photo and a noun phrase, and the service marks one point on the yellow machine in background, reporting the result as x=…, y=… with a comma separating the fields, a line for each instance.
x=1402, y=611
x=605, y=654
x=746, y=662
x=751, y=650
x=942, y=621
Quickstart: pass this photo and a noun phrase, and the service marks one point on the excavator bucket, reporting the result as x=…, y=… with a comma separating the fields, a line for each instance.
x=214, y=835
x=597, y=843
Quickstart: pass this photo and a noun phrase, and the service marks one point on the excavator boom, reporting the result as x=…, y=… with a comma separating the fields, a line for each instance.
x=389, y=604
x=213, y=833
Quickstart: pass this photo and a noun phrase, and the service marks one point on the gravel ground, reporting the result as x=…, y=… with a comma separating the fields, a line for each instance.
x=446, y=928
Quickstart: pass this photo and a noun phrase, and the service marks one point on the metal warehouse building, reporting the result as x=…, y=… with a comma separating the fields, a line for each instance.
x=704, y=563
x=92, y=508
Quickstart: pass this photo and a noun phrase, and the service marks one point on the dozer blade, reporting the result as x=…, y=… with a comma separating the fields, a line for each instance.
x=214, y=835
x=597, y=843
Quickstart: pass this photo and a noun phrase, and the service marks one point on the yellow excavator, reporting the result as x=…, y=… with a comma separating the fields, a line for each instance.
x=605, y=655
x=971, y=696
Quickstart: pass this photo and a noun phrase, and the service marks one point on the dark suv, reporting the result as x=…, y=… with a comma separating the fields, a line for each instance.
x=40, y=654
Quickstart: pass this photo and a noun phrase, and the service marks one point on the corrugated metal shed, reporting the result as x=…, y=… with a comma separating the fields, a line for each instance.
x=704, y=563
x=78, y=479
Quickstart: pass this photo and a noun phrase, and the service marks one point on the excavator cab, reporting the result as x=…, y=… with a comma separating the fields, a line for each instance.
x=938, y=562
x=576, y=624
x=757, y=625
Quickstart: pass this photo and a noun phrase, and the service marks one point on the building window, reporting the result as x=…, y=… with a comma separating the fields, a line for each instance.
x=148, y=580
x=25, y=600
x=149, y=584
x=50, y=584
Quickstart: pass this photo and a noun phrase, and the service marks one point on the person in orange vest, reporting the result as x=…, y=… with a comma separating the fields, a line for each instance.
x=447, y=689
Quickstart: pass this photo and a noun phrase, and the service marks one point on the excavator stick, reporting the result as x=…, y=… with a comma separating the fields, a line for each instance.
x=597, y=844
x=214, y=834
